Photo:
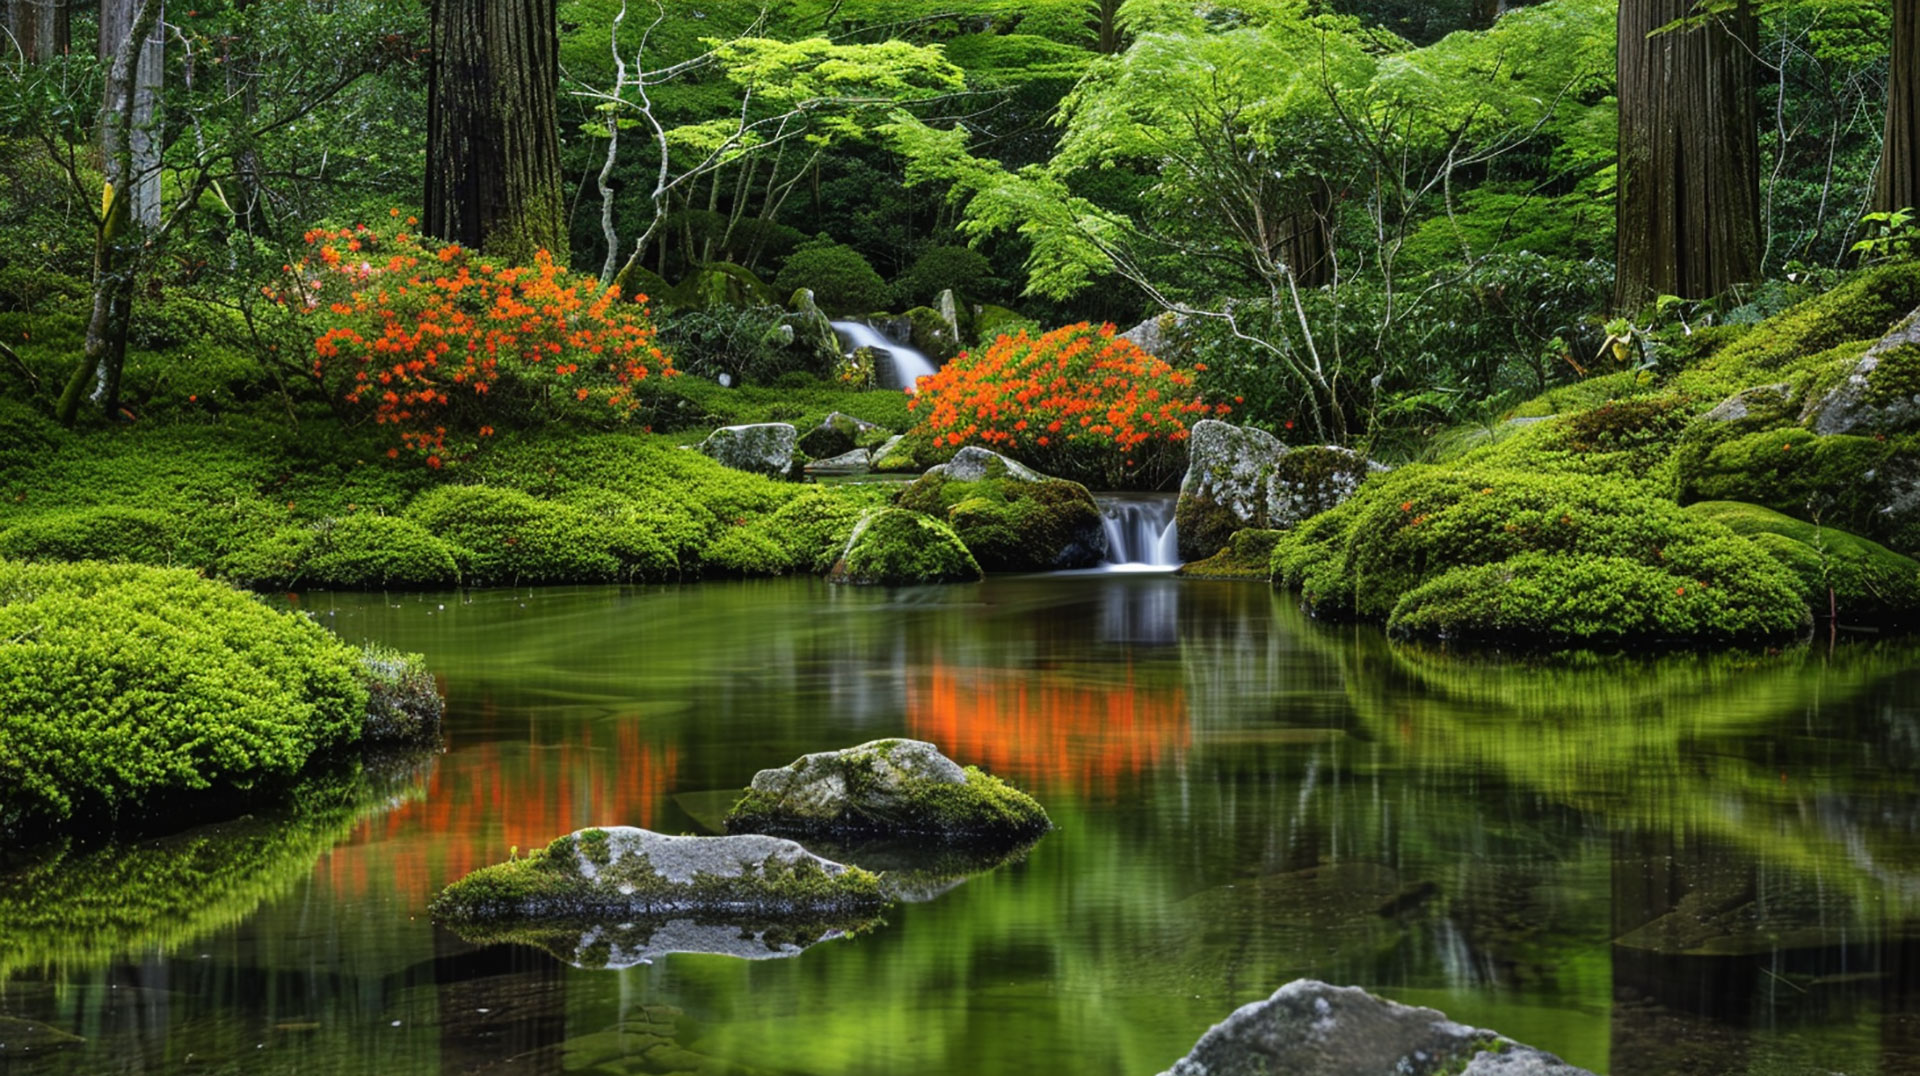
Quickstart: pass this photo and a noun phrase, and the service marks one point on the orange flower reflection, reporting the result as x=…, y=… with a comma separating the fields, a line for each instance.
x=1047, y=727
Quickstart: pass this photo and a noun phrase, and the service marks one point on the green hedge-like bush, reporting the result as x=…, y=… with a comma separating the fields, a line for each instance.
x=806, y=535
x=351, y=552
x=134, y=535
x=121, y=682
x=1375, y=556
x=842, y=280
x=503, y=536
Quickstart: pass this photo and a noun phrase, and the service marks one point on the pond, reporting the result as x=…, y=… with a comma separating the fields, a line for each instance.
x=1691, y=863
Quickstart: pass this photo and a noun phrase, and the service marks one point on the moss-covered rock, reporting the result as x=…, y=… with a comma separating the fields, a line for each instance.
x=1531, y=557
x=719, y=284
x=1009, y=516
x=1856, y=580
x=120, y=684
x=354, y=552
x=1247, y=555
x=764, y=448
x=403, y=701
x=1240, y=477
x=807, y=534
x=1881, y=393
x=1867, y=485
x=991, y=322
x=895, y=547
x=838, y=434
x=886, y=787
x=620, y=873
x=934, y=335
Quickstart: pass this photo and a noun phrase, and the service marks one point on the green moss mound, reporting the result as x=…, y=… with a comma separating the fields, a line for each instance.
x=1844, y=480
x=505, y=536
x=896, y=547
x=595, y=873
x=1866, y=582
x=121, y=682
x=1435, y=552
x=1247, y=555
x=864, y=791
x=805, y=535
x=132, y=535
x=1010, y=524
x=349, y=552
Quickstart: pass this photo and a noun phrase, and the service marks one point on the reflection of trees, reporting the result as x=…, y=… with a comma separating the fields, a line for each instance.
x=74, y=906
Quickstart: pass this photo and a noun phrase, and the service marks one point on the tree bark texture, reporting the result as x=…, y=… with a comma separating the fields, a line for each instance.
x=41, y=28
x=1898, y=186
x=1687, y=207
x=116, y=22
x=493, y=128
x=116, y=239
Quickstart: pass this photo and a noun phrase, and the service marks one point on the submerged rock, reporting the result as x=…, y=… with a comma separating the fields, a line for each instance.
x=1010, y=516
x=1240, y=477
x=886, y=786
x=620, y=874
x=1308, y=1028
x=894, y=547
x=763, y=448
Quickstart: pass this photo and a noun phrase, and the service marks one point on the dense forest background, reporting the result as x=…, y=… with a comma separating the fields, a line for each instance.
x=1371, y=217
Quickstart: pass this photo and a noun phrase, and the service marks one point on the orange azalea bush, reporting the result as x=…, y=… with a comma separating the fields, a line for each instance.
x=441, y=343
x=1079, y=402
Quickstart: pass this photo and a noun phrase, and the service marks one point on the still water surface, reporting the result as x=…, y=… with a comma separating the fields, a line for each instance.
x=1691, y=864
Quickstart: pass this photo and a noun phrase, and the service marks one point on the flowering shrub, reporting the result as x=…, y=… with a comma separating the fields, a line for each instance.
x=440, y=342
x=1078, y=402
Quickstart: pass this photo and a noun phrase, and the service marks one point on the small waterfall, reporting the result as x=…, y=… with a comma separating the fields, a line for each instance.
x=909, y=365
x=1140, y=531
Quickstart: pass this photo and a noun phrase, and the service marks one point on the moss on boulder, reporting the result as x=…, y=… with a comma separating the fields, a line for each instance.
x=763, y=448
x=886, y=787
x=719, y=284
x=1510, y=554
x=621, y=873
x=1009, y=516
x=838, y=434
x=1247, y=555
x=895, y=547
x=807, y=534
x=1867, y=582
x=1240, y=477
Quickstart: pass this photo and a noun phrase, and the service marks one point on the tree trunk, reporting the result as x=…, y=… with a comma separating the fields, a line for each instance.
x=116, y=236
x=116, y=22
x=41, y=28
x=1687, y=207
x=1899, y=184
x=493, y=128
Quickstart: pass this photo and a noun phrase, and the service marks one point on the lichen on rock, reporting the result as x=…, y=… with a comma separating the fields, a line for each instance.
x=1240, y=476
x=761, y=448
x=888, y=786
x=621, y=873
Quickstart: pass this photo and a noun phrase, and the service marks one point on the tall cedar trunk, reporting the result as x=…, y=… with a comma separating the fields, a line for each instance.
x=1687, y=209
x=493, y=128
x=1106, y=23
x=40, y=27
x=1899, y=183
x=116, y=238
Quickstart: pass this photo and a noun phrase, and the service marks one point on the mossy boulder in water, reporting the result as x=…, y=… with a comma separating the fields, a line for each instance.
x=620, y=874
x=1239, y=477
x=1308, y=1028
x=760, y=448
x=1009, y=516
x=1519, y=557
x=886, y=787
x=894, y=547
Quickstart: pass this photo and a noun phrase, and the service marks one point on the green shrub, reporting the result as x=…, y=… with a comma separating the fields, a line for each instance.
x=133, y=535
x=354, y=552
x=895, y=547
x=842, y=281
x=1407, y=529
x=805, y=535
x=964, y=269
x=123, y=682
x=503, y=536
x=1858, y=580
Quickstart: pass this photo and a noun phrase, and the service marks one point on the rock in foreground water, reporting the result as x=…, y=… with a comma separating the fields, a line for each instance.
x=621, y=873
x=886, y=786
x=1308, y=1028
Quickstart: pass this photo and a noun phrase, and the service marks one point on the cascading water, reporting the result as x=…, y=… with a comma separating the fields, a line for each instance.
x=1141, y=536
x=909, y=364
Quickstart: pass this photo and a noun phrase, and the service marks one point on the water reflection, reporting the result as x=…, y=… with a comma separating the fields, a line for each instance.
x=1696, y=863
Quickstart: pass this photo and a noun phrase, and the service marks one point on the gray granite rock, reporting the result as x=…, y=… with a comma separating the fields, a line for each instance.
x=1155, y=335
x=885, y=786
x=1873, y=399
x=1760, y=400
x=1240, y=477
x=973, y=464
x=1308, y=1028
x=838, y=434
x=762, y=448
x=857, y=461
